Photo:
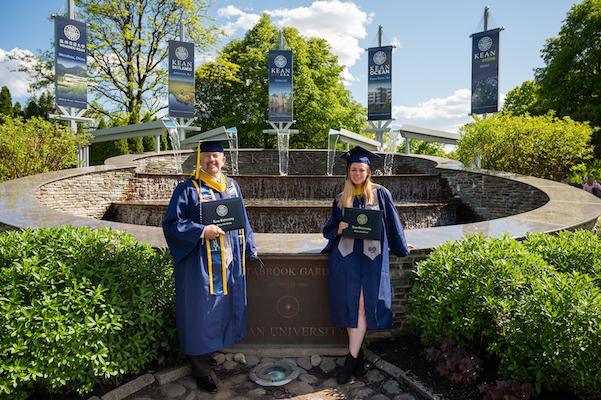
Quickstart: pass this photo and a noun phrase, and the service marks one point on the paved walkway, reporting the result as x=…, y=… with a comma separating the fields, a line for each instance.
x=315, y=382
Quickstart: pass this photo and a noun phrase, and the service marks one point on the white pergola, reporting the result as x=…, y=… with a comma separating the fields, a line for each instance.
x=429, y=135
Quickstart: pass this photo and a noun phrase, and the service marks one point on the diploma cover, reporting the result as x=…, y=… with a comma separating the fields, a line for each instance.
x=363, y=223
x=228, y=214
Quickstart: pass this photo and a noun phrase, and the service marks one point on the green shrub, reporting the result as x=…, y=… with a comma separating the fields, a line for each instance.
x=35, y=146
x=552, y=337
x=542, y=146
x=568, y=251
x=534, y=306
x=463, y=286
x=78, y=307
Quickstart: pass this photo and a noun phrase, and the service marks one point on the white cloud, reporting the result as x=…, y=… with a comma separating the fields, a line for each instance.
x=16, y=81
x=448, y=113
x=342, y=24
x=242, y=20
x=396, y=42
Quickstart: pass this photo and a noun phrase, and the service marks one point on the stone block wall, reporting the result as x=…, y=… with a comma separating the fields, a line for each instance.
x=266, y=162
x=402, y=270
x=87, y=195
x=493, y=197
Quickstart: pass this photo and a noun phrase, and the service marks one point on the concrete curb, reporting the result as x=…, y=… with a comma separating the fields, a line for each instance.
x=129, y=388
x=399, y=374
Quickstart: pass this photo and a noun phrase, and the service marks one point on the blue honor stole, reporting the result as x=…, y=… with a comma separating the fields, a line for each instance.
x=216, y=248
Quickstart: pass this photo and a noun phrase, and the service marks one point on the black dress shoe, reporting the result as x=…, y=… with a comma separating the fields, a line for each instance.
x=207, y=384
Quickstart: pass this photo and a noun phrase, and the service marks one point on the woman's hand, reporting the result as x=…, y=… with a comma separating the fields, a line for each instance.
x=212, y=231
x=342, y=226
x=410, y=246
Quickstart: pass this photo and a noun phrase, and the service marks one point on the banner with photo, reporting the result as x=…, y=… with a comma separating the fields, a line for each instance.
x=280, y=85
x=181, y=79
x=70, y=38
x=485, y=72
x=379, y=83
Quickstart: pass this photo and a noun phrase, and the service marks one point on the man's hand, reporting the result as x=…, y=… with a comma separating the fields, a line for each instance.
x=212, y=231
x=410, y=246
x=342, y=226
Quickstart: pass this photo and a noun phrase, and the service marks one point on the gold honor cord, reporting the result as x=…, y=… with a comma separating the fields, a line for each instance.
x=209, y=254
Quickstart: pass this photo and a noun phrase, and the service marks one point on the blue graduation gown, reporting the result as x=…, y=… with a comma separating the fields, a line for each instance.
x=205, y=323
x=347, y=275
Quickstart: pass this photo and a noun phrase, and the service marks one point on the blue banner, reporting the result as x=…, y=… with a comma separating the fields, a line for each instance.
x=485, y=72
x=280, y=85
x=70, y=38
x=181, y=79
x=379, y=83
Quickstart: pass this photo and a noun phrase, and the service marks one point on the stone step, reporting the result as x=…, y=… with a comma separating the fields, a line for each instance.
x=406, y=187
x=298, y=216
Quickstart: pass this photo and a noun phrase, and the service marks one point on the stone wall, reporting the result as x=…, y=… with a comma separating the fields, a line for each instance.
x=88, y=195
x=493, y=197
x=266, y=162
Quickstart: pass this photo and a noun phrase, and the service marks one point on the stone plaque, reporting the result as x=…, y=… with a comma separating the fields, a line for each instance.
x=288, y=302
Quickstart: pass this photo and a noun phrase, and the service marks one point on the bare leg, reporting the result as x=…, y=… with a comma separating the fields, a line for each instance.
x=356, y=335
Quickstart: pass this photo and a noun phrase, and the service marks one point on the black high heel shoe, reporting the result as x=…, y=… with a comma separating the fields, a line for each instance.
x=359, y=370
x=347, y=370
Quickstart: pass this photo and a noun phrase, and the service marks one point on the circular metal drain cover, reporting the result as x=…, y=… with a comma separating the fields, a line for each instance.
x=276, y=373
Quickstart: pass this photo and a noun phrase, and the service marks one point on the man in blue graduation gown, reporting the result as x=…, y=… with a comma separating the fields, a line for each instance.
x=210, y=271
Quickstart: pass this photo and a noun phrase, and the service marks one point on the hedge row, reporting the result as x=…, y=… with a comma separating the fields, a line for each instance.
x=80, y=307
x=534, y=306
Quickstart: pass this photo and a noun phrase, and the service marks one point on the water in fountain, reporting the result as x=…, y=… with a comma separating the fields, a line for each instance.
x=332, y=140
x=393, y=138
x=283, y=142
x=232, y=135
x=175, y=145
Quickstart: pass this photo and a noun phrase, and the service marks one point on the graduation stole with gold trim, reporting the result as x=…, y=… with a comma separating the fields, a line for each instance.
x=216, y=248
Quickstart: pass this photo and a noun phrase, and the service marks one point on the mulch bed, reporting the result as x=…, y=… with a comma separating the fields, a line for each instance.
x=407, y=353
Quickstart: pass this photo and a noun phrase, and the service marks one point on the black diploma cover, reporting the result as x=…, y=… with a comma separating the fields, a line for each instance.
x=363, y=223
x=228, y=214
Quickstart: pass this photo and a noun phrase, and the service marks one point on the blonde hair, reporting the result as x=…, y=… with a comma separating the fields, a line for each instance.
x=348, y=193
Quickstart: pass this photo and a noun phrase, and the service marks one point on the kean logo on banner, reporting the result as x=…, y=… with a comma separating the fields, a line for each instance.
x=70, y=38
x=485, y=72
x=280, y=85
x=181, y=79
x=379, y=86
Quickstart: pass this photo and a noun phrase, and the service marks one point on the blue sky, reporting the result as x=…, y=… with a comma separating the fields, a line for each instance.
x=431, y=67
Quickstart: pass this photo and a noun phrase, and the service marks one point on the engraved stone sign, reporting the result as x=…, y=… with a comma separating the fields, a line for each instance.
x=288, y=302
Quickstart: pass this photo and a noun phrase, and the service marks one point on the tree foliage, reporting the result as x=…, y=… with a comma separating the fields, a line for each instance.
x=523, y=99
x=570, y=81
x=34, y=146
x=233, y=89
x=543, y=146
x=6, y=103
x=127, y=44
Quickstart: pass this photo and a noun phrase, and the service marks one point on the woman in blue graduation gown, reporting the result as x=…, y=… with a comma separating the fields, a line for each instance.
x=359, y=275
x=210, y=271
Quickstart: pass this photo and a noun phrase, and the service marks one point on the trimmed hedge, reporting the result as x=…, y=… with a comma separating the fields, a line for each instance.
x=79, y=307
x=535, y=307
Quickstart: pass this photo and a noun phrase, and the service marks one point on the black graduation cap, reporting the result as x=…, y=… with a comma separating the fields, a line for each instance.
x=359, y=155
x=211, y=146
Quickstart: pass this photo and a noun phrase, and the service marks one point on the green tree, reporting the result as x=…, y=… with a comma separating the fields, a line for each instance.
x=544, y=146
x=6, y=103
x=34, y=146
x=32, y=109
x=127, y=44
x=233, y=90
x=18, y=110
x=570, y=81
x=46, y=104
x=524, y=99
